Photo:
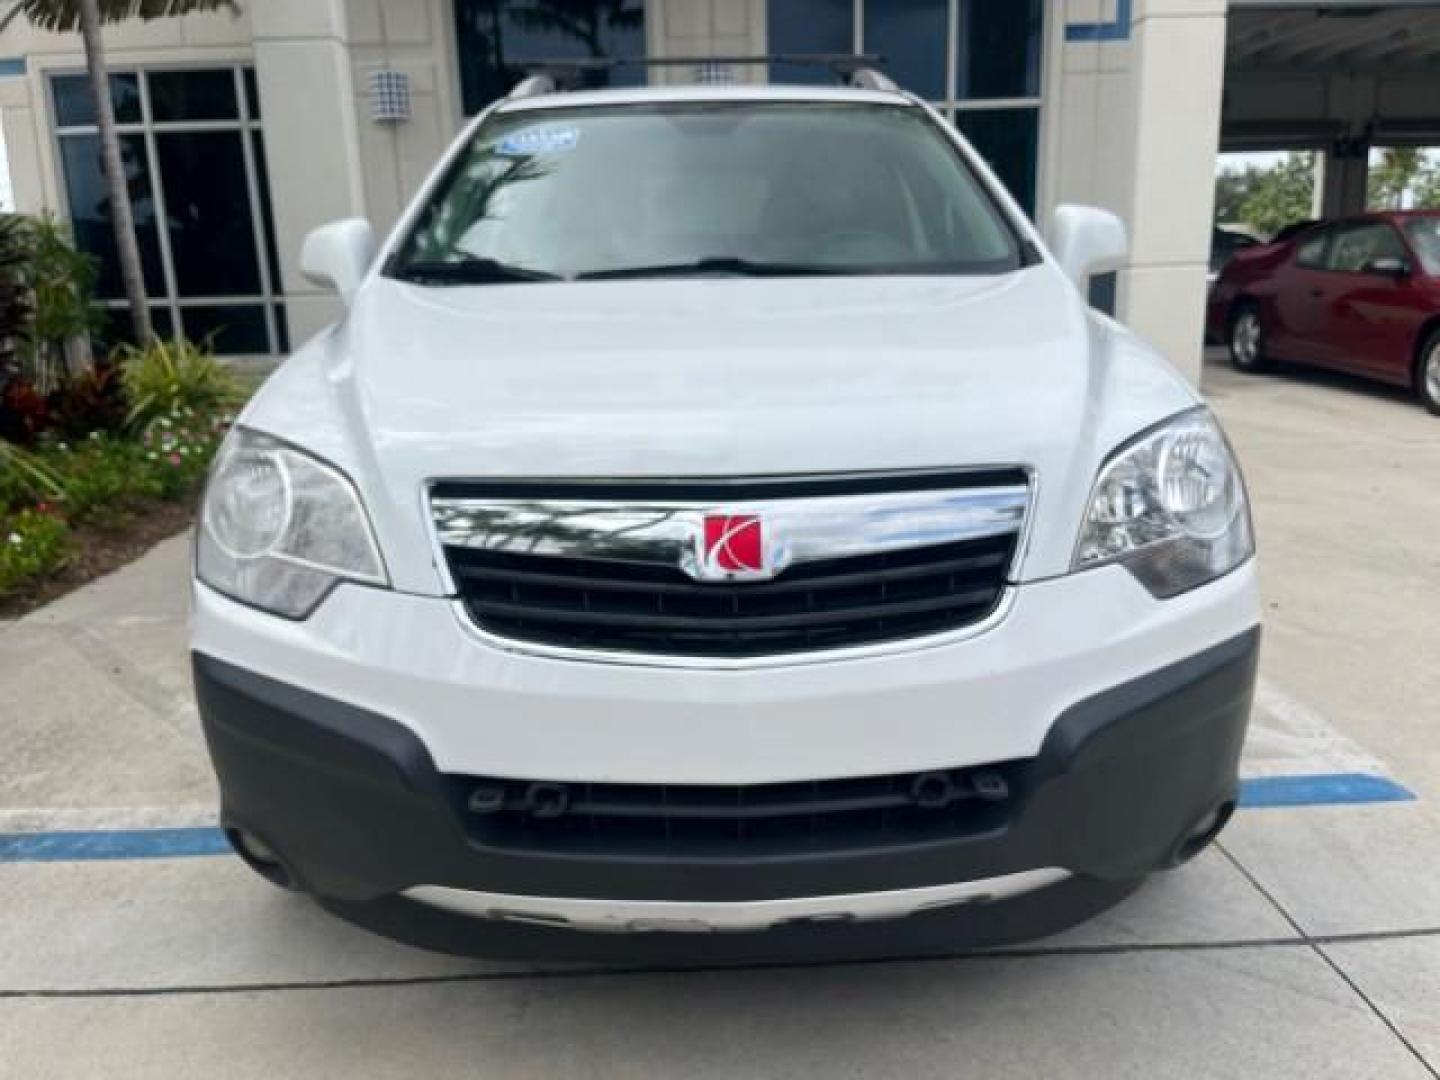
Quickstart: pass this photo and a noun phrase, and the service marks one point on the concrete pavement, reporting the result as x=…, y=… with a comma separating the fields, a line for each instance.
x=1307, y=945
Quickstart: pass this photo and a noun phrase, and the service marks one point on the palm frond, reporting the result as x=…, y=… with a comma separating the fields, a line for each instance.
x=64, y=15
x=27, y=473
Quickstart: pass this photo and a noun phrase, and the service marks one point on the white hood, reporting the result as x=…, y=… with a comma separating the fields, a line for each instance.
x=718, y=377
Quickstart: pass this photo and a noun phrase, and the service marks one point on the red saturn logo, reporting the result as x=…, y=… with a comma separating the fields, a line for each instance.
x=734, y=546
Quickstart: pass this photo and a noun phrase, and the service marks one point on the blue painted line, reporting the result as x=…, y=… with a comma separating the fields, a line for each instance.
x=1327, y=789
x=1117, y=29
x=97, y=845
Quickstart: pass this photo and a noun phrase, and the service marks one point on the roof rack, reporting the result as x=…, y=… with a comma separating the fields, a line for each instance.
x=554, y=76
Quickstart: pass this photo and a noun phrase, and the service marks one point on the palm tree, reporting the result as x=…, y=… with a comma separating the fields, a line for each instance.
x=16, y=305
x=87, y=16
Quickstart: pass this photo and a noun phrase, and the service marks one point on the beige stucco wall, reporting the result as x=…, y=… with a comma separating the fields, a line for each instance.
x=1136, y=126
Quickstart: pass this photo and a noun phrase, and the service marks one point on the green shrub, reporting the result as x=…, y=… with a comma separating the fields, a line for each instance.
x=166, y=377
x=103, y=478
x=63, y=281
x=25, y=477
x=33, y=543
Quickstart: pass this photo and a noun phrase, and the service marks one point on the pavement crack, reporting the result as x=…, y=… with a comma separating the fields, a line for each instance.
x=1317, y=945
x=561, y=974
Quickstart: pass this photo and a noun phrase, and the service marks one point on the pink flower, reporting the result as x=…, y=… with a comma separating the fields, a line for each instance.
x=174, y=459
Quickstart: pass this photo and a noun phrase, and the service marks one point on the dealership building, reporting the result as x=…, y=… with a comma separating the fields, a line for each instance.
x=243, y=130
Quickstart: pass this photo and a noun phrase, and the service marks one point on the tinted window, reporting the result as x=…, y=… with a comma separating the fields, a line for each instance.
x=1311, y=249
x=496, y=39
x=252, y=94
x=1006, y=139
x=75, y=105
x=231, y=328
x=808, y=26
x=118, y=329
x=89, y=202
x=999, y=48
x=838, y=189
x=193, y=95
x=212, y=202
x=1424, y=236
x=207, y=203
x=1353, y=246
x=910, y=35
x=267, y=217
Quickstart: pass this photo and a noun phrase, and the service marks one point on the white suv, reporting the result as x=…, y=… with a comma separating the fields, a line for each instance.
x=718, y=511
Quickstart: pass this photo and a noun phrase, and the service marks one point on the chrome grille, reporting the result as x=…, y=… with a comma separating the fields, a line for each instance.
x=619, y=573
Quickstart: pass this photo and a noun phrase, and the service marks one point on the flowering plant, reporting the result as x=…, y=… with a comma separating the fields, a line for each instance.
x=33, y=542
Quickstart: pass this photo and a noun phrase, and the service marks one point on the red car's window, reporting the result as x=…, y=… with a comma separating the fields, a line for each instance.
x=1311, y=252
x=1424, y=234
x=1354, y=247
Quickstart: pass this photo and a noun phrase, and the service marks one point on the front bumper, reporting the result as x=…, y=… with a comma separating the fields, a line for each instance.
x=479, y=709
x=358, y=812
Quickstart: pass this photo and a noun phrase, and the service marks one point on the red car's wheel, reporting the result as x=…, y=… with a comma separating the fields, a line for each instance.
x=1247, y=339
x=1427, y=373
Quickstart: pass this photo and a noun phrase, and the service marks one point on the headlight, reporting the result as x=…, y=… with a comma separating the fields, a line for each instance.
x=279, y=529
x=1170, y=507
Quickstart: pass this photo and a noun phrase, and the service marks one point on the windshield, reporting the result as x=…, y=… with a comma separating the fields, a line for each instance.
x=676, y=189
x=1424, y=236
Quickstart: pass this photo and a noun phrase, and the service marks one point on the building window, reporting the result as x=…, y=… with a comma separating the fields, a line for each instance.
x=194, y=157
x=977, y=61
x=497, y=41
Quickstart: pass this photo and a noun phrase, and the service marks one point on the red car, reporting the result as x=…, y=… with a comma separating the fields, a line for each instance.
x=1360, y=295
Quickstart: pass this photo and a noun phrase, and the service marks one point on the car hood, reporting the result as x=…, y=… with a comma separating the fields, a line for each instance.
x=720, y=377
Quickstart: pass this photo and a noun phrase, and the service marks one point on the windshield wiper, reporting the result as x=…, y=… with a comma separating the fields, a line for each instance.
x=721, y=264
x=471, y=271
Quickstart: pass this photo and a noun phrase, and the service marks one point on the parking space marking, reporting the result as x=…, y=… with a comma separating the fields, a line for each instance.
x=1328, y=789
x=91, y=845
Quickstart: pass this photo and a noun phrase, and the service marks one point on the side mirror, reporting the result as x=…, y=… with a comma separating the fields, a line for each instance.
x=337, y=255
x=1392, y=266
x=1084, y=240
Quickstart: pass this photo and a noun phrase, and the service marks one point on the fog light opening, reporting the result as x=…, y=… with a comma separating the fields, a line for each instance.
x=260, y=857
x=1202, y=833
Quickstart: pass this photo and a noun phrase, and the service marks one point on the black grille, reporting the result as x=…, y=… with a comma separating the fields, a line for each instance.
x=730, y=821
x=835, y=603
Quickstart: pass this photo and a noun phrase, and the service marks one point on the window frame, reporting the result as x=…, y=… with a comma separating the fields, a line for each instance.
x=952, y=105
x=271, y=297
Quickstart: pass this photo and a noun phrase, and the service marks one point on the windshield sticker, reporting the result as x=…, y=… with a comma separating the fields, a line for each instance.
x=544, y=139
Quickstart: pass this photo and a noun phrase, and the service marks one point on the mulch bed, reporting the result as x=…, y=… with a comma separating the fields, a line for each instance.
x=98, y=549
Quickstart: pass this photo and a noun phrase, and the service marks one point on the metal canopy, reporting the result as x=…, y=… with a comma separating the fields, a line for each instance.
x=1283, y=34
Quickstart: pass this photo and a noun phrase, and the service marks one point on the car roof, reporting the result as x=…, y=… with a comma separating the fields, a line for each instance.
x=1378, y=215
x=650, y=95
